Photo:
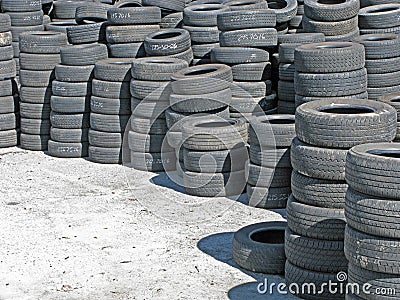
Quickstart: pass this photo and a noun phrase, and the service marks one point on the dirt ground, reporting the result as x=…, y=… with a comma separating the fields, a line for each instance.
x=72, y=229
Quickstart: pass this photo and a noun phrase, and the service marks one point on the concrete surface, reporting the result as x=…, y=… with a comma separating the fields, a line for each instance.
x=72, y=229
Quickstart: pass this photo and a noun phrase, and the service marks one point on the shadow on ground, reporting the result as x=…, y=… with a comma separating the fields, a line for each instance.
x=219, y=246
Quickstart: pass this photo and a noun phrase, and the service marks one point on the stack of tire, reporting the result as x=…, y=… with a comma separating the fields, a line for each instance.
x=196, y=91
x=251, y=68
x=382, y=52
x=150, y=88
x=91, y=19
x=127, y=29
x=286, y=90
x=296, y=24
x=201, y=22
x=70, y=119
x=269, y=168
x=8, y=90
x=380, y=18
x=173, y=43
x=26, y=15
x=64, y=10
x=110, y=110
x=330, y=69
x=372, y=236
x=393, y=100
x=215, y=156
x=337, y=20
x=326, y=130
x=40, y=53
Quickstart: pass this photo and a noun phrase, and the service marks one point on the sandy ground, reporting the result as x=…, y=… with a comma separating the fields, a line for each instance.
x=72, y=229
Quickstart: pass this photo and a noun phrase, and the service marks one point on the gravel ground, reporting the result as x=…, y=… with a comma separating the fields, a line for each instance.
x=72, y=229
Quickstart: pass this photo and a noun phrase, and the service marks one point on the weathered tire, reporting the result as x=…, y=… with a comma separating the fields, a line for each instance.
x=380, y=16
x=83, y=55
x=329, y=12
x=134, y=15
x=267, y=198
x=233, y=20
x=34, y=142
x=156, y=68
x=67, y=150
x=256, y=37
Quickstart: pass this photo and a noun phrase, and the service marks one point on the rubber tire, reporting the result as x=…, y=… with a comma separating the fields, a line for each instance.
x=67, y=150
x=328, y=13
x=256, y=37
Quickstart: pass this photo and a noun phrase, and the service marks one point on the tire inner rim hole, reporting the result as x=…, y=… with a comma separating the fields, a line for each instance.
x=215, y=124
x=386, y=153
x=332, y=46
x=243, y=3
x=130, y=5
x=382, y=10
x=121, y=63
x=269, y=236
x=377, y=39
x=279, y=121
x=201, y=72
x=207, y=8
x=276, y=4
x=346, y=110
x=396, y=99
x=331, y=2
x=167, y=35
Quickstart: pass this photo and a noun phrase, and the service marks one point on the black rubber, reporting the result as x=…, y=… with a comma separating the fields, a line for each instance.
x=117, y=34
x=156, y=68
x=66, y=73
x=203, y=15
x=267, y=198
x=109, y=123
x=83, y=55
x=68, y=149
x=379, y=46
x=39, y=42
x=167, y=42
x=244, y=19
x=113, y=69
x=134, y=15
x=256, y=37
x=88, y=33
x=260, y=247
x=331, y=11
x=238, y=55
x=379, y=16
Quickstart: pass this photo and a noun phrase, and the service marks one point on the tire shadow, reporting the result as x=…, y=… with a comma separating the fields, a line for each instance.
x=219, y=246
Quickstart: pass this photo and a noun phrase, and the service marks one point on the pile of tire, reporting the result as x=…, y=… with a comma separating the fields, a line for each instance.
x=215, y=156
x=70, y=119
x=269, y=169
x=91, y=24
x=26, y=15
x=285, y=11
x=286, y=90
x=394, y=101
x=252, y=89
x=8, y=90
x=326, y=130
x=173, y=43
x=382, y=53
x=110, y=109
x=337, y=19
x=150, y=87
x=40, y=53
x=196, y=91
x=380, y=18
x=127, y=29
x=372, y=211
x=201, y=22
x=171, y=12
x=330, y=69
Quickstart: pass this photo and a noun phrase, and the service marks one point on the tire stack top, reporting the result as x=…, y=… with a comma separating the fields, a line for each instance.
x=171, y=11
x=252, y=92
x=326, y=130
x=110, y=109
x=372, y=211
x=70, y=101
x=8, y=90
x=201, y=22
x=380, y=18
x=40, y=53
x=338, y=20
x=286, y=89
x=151, y=89
x=63, y=15
x=382, y=53
x=26, y=15
x=127, y=29
x=269, y=168
x=330, y=69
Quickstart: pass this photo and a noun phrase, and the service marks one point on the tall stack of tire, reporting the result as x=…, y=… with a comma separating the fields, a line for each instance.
x=9, y=117
x=40, y=53
x=70, y=118
x=199, y=90
x=91, y=24
x=25, y=16
x=110, y=110
x=269, y=168
x=393, y=100
x=151, y=91
x=286, y=90
x=326, y=130
x=382, y=53
x=201, y=22
x=380, y=18
x=173, y=43
x=239, y=40
x=337, y=20
x=127, y=29
x=372, y=211
x=330, y=69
